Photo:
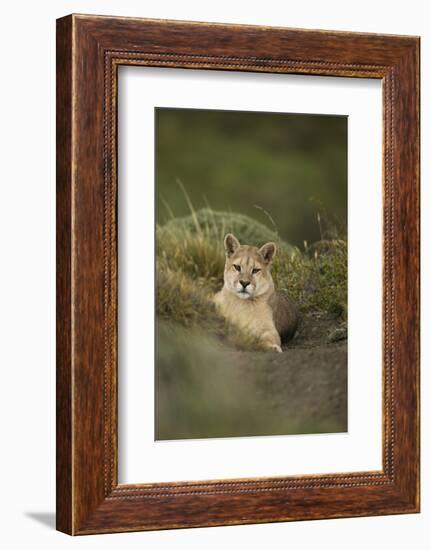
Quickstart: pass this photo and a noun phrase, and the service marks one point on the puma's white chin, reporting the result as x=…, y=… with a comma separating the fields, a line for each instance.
x=243, y=295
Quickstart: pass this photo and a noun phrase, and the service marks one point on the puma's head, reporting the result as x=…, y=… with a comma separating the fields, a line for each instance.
x=247, y=271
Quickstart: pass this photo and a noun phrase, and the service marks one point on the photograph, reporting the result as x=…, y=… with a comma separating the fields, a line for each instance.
x=251, y=273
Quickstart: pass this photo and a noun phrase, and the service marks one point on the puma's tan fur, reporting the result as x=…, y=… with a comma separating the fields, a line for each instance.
x=248, y=298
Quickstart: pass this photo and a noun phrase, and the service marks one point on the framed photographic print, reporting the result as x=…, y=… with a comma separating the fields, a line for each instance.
x=237, y=274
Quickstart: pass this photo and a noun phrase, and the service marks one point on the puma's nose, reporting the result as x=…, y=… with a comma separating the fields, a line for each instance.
x=245, y=284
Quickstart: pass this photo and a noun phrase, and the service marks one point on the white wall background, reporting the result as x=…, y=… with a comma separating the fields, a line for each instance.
x=27, y=279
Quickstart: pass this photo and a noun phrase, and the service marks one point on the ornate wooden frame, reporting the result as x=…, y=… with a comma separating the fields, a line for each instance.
x=89, y=51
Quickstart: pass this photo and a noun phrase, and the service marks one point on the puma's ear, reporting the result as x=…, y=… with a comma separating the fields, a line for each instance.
x=268, y=251
x=231, y=243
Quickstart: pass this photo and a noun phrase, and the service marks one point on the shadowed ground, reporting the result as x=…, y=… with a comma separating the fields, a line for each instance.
x=212, y=390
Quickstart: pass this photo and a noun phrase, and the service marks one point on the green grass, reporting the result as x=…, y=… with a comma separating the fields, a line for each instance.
x=316, y=279
x=214, y=225
x=190, y=263
x=181, y=298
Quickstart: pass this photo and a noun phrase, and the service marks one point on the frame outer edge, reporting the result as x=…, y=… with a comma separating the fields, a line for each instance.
x=81, y=506
x=407, y=279
x=64, y=367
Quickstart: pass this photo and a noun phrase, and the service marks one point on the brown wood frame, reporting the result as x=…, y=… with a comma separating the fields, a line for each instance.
x=89, y=51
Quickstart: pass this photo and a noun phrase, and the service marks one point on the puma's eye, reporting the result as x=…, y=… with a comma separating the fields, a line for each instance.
x=256, y=270
x=237, y=267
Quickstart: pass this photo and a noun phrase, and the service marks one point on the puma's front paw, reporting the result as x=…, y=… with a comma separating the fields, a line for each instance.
x=276, y=348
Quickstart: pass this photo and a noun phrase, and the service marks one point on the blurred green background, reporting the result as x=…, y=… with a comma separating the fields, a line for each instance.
x=294, y=166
